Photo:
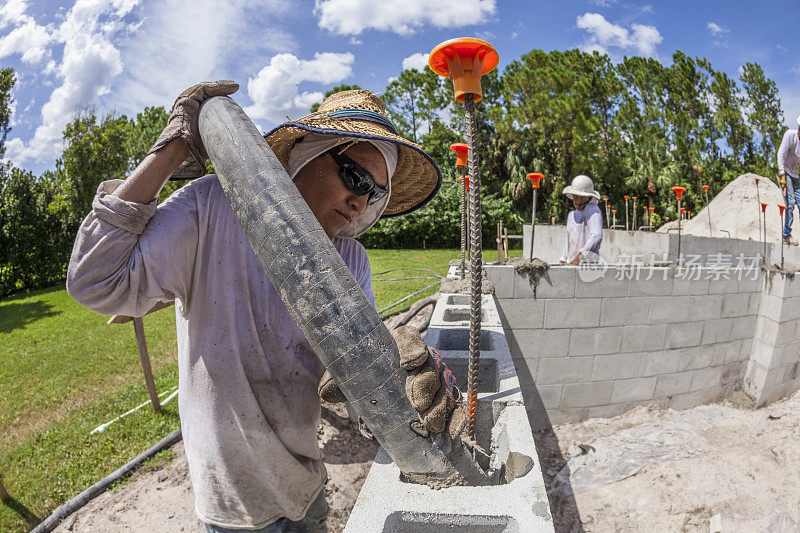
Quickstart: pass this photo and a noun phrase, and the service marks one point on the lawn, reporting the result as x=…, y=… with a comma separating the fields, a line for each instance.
x=64, y=371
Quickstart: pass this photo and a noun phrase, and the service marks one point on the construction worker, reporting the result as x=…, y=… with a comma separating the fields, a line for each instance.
x=248, y=379
x=584, y=222
x=788, y=164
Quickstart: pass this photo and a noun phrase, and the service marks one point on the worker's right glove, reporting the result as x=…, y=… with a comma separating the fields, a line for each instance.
x=430, y=386
x=782, y=180
x=183, y=124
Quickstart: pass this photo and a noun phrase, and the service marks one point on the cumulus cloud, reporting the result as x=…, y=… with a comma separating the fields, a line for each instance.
x=352, y=17
x=418, y=61
x=27, y=38
x=603, y=35
x=603, y=3
x=717, y=30
x=275, y=92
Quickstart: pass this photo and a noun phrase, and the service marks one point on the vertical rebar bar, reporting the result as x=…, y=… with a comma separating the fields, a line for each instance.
x=464, y=221
x=476, y=266
x=710, y=232
x=679, y=232
x=533, y=222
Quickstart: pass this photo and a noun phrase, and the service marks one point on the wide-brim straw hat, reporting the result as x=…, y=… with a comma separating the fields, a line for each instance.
x=361, y=114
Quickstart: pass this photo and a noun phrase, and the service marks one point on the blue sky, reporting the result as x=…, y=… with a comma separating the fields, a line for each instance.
x=123, y=55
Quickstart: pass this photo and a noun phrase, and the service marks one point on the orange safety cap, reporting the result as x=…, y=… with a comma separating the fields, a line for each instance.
x=535, y=178
x=461, y=153
x=705, y=187
x=464, y=60
x=679, y=192
x=781, y=208
x=626, y=198
x=466, y=178
x=763, y=207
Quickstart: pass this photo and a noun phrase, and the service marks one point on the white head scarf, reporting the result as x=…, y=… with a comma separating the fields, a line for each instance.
x=314, y=144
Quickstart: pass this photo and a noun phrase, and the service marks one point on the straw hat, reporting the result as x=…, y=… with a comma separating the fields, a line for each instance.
x=361, y=114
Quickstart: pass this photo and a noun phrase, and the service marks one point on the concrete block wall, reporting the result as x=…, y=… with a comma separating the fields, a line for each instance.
x=774, y=367
x=587, y=346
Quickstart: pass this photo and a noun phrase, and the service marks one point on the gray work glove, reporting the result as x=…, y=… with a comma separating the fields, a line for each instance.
x=430, y=386
x=183, y=124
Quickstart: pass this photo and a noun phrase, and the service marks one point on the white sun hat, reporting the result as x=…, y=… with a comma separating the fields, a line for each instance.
x=581, y=186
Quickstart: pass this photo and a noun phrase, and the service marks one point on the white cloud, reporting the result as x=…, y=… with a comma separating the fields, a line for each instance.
x=13, y=12
x=418, y=61
x=716, y=30
x=603, y=35
x=275, y=92
x=603, y=3
x=351, y=17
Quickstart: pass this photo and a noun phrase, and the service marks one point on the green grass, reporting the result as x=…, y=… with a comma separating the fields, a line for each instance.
x=64, y=371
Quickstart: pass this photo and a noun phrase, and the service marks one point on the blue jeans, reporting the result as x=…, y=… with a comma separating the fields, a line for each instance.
x=315, y=521
x=792, y=199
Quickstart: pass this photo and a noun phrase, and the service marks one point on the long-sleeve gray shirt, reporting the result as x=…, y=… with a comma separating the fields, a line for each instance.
x=248, y=379
x=584, y=233
x=789, y=154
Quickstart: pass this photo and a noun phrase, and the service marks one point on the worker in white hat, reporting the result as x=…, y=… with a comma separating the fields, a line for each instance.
x=788, y=164
x=584, y=223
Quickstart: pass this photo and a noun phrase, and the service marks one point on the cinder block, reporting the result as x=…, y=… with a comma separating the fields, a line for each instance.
x=624, y=311
x=705, y=307
x=572, y=313
x=595, y=341
x=696, y=357
x=565, y=370
x=731, y=350
x=643, y=338
x=706, y=378
x=790, y=353
x=587, y=394
x=502, y=277
x=750, y=284
x=693, y=399
x=732, y=373
x=616, y=366
x=787, y=331
x=684, y=285
x=734, y=305
x=766, y=355
x=549, y=394
x=746, y=349
x=659, y=363
x=717, y=331
x=609, y=286
x=633, y=390
x=683, y=335
x=790, y=309
x=672, y=384
x=755, y=301
x=766, y=330
x=669, y=309
x=771, y=307
x=724, y=285
x=744, y=327
x=536, y=343
x=660, y=284
x=527, y=370
x=523, y=313
x=557, y=282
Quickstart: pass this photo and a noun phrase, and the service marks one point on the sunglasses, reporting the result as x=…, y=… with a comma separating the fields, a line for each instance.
x=356, y=178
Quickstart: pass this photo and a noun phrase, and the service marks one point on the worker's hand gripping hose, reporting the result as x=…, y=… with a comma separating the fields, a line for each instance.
x=319, y=291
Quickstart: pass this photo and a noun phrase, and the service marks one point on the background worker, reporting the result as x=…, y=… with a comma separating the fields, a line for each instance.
x=584, y=222
x=248, y=379
x=788, y=164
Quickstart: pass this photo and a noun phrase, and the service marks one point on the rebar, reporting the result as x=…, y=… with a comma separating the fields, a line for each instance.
x=679, y=232
x=710, y=231
x=464, y=222
x=533, y=222
x=476, y=266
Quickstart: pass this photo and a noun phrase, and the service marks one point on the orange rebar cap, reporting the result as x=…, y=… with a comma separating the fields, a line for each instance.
x=535, y=178
x=679, y=192
x=614, y=211
x=705, y=187
x=634, y=198
x=763, y=207
x=466, y=178
x=626, y=198
x=781, y=208
x=652, y=209
x=461, y=153
x=464, y=60
x=757, y=179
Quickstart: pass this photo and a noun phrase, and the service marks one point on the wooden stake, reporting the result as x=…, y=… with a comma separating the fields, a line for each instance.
x=138, y=327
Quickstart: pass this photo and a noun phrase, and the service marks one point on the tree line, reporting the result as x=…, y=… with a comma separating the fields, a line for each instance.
x=636, y=128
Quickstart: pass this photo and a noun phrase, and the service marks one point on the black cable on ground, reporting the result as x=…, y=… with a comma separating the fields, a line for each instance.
x=98, y=488
x=414, y=311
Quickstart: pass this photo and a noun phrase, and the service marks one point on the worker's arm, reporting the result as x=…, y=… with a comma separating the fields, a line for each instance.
x=595, y=227
x=782, y=153
x=146, y=181
x=570, y=223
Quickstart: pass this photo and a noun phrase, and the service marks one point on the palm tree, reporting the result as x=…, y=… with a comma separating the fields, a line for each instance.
x=650, y=169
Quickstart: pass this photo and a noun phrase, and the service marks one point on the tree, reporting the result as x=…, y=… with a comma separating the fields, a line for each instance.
x=338, y=88
x=7, y=80
x=764, y=113
x=412, y=101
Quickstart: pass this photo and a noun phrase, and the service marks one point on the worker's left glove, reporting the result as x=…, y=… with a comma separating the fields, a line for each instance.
x=183, y=124
x=782, y=180
x=430, y=386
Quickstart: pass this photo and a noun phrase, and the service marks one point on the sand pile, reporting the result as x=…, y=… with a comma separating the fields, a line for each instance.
x=735, y=212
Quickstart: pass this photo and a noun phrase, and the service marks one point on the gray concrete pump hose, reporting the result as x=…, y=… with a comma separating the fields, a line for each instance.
x=316, y=286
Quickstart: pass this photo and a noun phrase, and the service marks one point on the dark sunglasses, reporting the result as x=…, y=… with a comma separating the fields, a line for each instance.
x=356, y=178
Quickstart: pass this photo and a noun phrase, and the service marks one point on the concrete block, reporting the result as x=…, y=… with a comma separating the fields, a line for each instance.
x=706, y=378
x=790, y=353
x=750, y=284
x=616, y=366
x=717, y=331
x=660, y=284
x=705, y=307
x=502, y=277
x=624, y=311
x=669, y=309
x=747, y=347
x=693, y=399
x=787, y=331
x=565, y=370
x=771, y=307
x=536, y=343
x=766, y=355
x=672, y=384
x=732, y=373
x=684, y=285
x=684, y=334
x=527, y=370
x=522, y=313
x=633, y=390
x=755, y=301
x=790, y=309
x=734, y=305
x=659, y=363
x=732, y=350
x=726, y=284
x=595, y=341
x=744, y=327
x=767, y=330
x=696, y=357
x=557, y=282
x=550, y=395
x=609, y=286
x=572, y=313
x=587, y=394
x=643, y=338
